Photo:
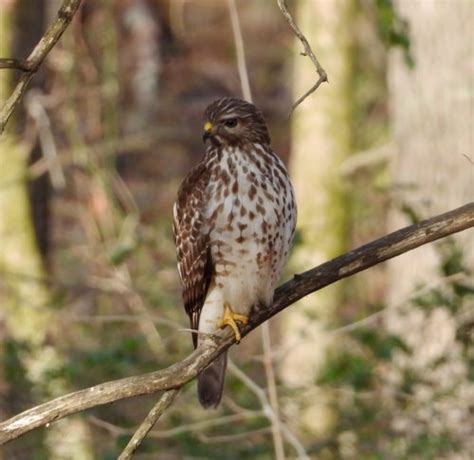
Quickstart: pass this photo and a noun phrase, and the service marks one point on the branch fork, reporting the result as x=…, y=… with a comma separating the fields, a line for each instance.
x=31, y=64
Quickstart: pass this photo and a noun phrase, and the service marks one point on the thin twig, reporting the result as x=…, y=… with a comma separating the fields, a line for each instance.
x=187, y=428
x=233, y=437
x=14, y=99
x=268, y=364
x=240, y=50
x=268, y=410
x=147, y=424
x=307, y=52
x=272, y=392
x=46, y=138
x=17, y=64
x=35, y=59
x=416, y=293
x=301, y=285
x=468, y=158
x=137, y=306
x=367, y=159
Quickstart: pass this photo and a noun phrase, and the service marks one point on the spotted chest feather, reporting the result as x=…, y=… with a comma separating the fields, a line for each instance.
x=251, y=218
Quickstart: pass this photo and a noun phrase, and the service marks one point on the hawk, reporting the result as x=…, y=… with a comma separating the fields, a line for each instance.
x=233, y=224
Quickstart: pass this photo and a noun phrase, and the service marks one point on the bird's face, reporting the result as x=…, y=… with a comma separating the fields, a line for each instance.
x=234, y=122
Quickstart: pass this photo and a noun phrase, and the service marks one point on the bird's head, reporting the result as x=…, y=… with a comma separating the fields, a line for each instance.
x=233, y=122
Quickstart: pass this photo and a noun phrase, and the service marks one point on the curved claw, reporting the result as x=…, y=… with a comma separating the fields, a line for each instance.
x=229, y=319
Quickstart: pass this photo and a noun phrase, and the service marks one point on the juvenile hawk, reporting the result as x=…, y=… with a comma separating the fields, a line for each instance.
x=234, y=221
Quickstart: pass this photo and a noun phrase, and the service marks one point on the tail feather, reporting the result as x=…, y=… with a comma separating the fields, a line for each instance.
x=211, y=382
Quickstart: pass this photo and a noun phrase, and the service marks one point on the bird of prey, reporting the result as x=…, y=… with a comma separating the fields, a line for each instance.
x=233, y=221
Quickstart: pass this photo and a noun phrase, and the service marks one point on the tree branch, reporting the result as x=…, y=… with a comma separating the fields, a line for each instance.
x=300, y=286
x=17, y=64
x=307, y=52
x=164, y=402
x=36, y=58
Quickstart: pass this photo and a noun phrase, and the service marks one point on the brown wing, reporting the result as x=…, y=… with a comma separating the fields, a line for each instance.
x=192, y=243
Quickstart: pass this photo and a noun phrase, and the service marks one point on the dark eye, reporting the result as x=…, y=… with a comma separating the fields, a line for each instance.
x=230, y=122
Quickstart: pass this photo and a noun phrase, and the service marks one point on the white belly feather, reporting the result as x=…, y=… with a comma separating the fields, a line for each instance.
x=251, y=236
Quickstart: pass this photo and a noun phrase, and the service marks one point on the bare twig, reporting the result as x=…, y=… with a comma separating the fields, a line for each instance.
x=240, y=50
x=14, y=99
x=307, y=52
x=233, y=437
x=131, y=144
x=468, y=158
x=301, y=285
x=46, y=138
x=17, y=64
x=147, y=424
x=367, y=159
x=268, y=364
x=272, y=392
x=137, y=306
x=36, y=58
x=417, y=292
x=187, y=428
x=268, y=410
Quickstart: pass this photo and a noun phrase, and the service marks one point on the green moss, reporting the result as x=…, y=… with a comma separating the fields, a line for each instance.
x=347, y=368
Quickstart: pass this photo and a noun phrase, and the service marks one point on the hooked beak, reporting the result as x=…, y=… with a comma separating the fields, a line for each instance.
x=207, y=131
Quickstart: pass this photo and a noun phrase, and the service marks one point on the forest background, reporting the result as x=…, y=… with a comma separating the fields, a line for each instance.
x=379, y=366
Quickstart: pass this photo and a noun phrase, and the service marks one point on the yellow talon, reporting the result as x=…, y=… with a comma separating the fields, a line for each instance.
x=229, y=319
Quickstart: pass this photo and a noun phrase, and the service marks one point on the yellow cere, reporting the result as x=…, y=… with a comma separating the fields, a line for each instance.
x=207, y=126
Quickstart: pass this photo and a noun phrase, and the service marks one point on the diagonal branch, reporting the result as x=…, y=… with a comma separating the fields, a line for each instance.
x=307, y=52
x=164, y=402
x=32, y=63
x=301, y=285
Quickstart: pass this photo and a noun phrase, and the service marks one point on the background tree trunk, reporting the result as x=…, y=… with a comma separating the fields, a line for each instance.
x=432, y=171
x=433, y=128
x=24, y=295
x=321, y=130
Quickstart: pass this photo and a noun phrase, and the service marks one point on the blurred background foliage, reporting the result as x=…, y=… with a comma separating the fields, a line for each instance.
x=381, y=367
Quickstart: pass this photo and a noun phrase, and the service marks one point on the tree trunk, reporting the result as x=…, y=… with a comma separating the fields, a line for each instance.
x=321, y=137
x=25, y=298
x=433, y=171
x=433, y=125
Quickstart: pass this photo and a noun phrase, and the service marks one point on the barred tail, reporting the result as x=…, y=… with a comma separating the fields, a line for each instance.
x=211, y=382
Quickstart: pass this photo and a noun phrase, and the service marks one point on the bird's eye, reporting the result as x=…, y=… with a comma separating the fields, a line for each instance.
x=230, y=122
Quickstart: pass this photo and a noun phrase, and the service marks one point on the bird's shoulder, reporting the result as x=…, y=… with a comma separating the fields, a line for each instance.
x=191, y=193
